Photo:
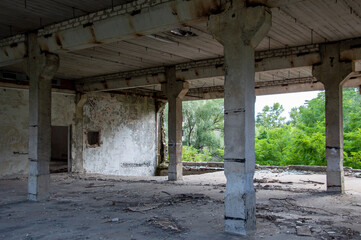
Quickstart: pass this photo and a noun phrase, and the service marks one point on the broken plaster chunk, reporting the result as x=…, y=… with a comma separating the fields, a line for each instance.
x=303, y=231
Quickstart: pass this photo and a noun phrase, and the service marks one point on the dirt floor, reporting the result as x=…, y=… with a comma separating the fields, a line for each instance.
x=290, y=205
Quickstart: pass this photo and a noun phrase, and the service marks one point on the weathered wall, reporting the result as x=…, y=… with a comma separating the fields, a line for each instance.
x=127, y=128
x=14, y=112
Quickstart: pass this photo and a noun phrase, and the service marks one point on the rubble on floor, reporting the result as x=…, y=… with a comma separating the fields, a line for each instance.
x=291, y=204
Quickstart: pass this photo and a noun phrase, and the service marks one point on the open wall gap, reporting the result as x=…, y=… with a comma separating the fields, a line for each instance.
x=59, y=149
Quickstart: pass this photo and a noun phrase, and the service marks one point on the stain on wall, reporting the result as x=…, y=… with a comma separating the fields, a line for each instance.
x=14, y=121
x=127, y=132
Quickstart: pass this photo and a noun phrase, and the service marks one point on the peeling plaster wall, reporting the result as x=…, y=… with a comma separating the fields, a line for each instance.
x=127, y=128
x=14, y=121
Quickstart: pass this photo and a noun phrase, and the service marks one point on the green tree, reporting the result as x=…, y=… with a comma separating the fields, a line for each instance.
x=312, y=112
x=300, y=141
x=203, y=124
x=203, y=130
x=351, y=110
x=189, y=121
x=271, y=116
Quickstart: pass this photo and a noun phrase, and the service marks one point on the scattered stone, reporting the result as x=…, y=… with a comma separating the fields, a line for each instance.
x=265, y=180
x=91, y=185
x=189, y=197
x=285, y=182
x=165, y=223
x=358, y=175
x=314, y=182
x=303, y=231
x=144, y=208
x=114, y=220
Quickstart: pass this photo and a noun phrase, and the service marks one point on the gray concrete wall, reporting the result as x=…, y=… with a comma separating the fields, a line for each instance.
x=127, y=127
x=14, y=122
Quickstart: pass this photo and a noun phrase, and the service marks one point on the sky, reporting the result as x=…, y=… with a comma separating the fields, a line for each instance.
x=287, y=100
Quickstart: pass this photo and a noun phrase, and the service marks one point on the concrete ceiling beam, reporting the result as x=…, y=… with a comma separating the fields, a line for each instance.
x=110, y=26
x=350, y=50
x=12, y=53
x=265, y=61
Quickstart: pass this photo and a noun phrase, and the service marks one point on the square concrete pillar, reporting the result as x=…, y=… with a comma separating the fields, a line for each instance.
x=40, y=69
x=174, y=90
x=160, y=139
x=78, y=134
x=240, y=29
x=332, y=73
x=334, y=138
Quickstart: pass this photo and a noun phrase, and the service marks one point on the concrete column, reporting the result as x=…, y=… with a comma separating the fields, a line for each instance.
x=40, y=68
x=332, y=73
x=160, y=139
x=174, y=90
x=240, y=29
x=78, y=134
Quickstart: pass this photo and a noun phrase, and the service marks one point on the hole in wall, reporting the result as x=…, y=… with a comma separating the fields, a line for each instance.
x=93, y=138
x=59, y=149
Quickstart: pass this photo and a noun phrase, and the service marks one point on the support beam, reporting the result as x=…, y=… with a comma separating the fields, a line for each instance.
x=41, y=68
x=261, y=88
x=350, y=50
x=332, y=73
x=115, y=24
x=12, y=54
x=174, y=90
x=240, y=29
x=300, y=56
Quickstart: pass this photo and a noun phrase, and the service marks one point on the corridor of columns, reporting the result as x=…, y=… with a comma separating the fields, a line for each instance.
x=104, y=70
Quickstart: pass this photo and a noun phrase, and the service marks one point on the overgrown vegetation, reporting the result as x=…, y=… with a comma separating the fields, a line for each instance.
x=299, y=141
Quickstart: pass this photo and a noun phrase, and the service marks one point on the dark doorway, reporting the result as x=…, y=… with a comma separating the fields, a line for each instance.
x=59, y=149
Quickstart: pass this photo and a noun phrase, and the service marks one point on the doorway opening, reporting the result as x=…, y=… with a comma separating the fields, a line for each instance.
x=60, y=149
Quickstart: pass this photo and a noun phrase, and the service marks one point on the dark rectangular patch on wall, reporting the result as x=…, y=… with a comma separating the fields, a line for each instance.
x=93, y=138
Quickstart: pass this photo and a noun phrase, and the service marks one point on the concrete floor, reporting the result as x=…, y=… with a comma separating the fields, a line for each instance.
x=290, y=205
